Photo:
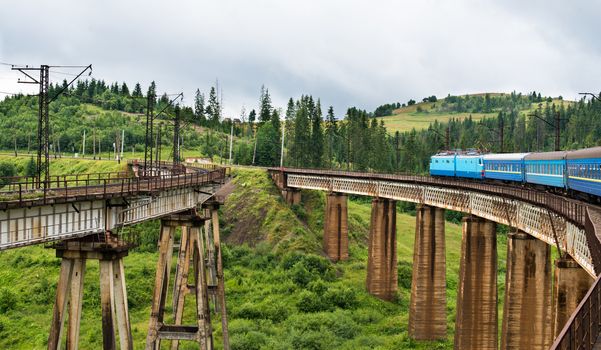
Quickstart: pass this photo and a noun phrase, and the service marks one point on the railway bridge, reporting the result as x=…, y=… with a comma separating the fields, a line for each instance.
x=548, y=304
x=81, y=216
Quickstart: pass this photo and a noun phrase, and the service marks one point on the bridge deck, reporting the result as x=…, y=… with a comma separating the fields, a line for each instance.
x=85, y=205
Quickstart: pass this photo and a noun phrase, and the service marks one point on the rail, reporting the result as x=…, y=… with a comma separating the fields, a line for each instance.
x=573, y=210
x=583, y=328
x=108, y=185
x=13, y=183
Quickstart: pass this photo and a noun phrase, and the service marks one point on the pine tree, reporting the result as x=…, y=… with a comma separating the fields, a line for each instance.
x=137, y=91
x=298, y=152
x=213, y=109
x=331, y=135
x=265, y=106
x=124, y=89
x=30, y=168
x=199, y=108
x=316, y=137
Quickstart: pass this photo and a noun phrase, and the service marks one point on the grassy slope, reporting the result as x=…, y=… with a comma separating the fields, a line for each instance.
x=407, y=118
x=62, y=166
x=264, y=290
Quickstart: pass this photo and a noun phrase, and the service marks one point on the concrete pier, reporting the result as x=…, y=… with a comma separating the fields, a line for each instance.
x=382, y=278
x=335, y=233
x=570, y=284
x=427, y=310
x=292, y=196
x=527, y=307
x=476, y=323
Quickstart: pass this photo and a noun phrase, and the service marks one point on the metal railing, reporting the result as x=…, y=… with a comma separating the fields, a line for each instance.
x=582, y=329
x=104, y=185
x=573, y=210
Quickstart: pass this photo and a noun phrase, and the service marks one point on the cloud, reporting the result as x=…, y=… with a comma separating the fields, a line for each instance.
x=348, y=53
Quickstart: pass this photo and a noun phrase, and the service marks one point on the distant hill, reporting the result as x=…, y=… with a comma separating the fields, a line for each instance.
x=421, y=115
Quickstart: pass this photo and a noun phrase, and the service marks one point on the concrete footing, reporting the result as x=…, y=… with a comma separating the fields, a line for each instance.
x=476, y=323
x=527, y=307
x=427, y=310
x=570, y=284
x=335, y=233
x=382, y=278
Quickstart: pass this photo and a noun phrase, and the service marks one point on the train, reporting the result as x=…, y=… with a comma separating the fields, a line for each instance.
x=575, y=173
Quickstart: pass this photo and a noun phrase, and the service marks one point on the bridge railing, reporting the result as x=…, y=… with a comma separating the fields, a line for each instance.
x=82, y=186
x=583, y=328
x=13, y=183
x=574, y=210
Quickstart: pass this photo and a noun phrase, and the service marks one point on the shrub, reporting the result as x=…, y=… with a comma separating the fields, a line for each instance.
x=8, y=300
x=405, y=271
x=314, y=340
x=311, y=302
x=301, y=275
x=342, y=297
x=253, y=340
x=7, y=169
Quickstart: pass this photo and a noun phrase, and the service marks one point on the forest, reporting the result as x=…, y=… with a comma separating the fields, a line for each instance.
x=314, y=136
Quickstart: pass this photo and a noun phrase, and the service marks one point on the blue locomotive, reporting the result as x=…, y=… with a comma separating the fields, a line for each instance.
x=577, y=172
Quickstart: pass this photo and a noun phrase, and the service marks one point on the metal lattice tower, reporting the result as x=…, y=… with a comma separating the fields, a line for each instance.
x=176, y=126
x=149, y=133
x=43, y=164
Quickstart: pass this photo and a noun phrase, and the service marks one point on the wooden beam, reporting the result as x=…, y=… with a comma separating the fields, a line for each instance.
x=120, y=305
x=60, y=305
x=220, y=284
x=106, y=283
x=77, y=278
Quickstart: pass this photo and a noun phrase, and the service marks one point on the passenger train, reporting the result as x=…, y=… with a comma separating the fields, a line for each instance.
x=577, y=173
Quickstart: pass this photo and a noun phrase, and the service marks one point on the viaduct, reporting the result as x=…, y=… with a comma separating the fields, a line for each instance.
x=82, y=216
x=541, y=310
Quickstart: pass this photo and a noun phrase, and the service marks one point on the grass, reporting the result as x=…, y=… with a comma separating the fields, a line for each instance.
x=281, y=292
x=67, y=166
x=420, y=115
x=406, y=121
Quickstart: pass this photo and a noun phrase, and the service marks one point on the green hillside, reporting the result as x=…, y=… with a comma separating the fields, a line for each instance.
x=281, y=292
x=421, y=115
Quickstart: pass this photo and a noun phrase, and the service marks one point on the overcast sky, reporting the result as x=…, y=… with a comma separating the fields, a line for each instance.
x=347, y=52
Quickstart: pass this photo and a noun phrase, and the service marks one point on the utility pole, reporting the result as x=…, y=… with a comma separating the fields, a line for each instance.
x=83, y=144
x=176, y=125
x=158, y=147
x=231, y=140
x=448, y=137
x=149, y=139
x=43, y=161
x=556, y=126
x=282, y=147
x=501, y=133
x=122, y=141
x=94, y=141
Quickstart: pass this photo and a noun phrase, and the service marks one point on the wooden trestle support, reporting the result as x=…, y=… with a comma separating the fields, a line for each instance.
x=199, y=251
x=69, y=291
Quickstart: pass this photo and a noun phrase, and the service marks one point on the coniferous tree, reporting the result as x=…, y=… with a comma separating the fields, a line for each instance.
x=199, y=108
x=124, y=89
x=316, y=137
x=213, y=108
x=265, y=106
x=331, y=137
x=299, y=155
x=137, y=91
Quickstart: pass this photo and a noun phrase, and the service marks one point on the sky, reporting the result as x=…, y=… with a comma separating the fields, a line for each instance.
x=345, y=52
